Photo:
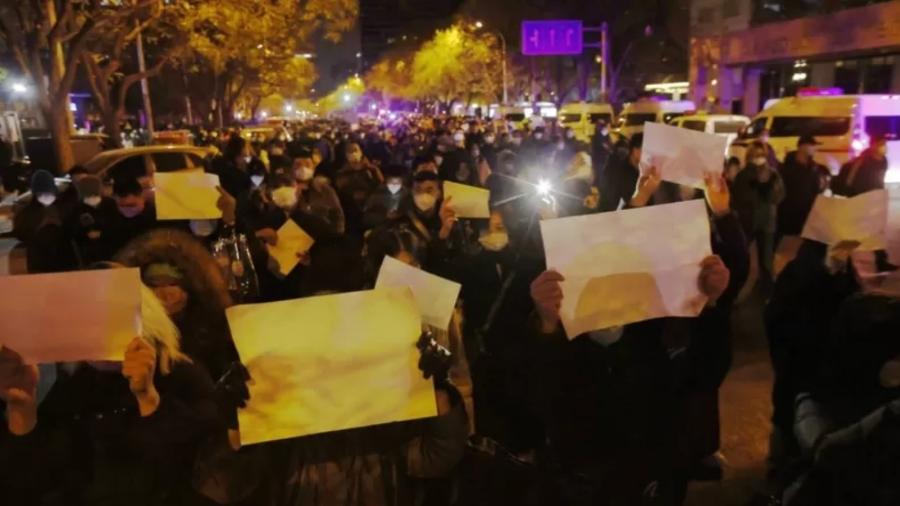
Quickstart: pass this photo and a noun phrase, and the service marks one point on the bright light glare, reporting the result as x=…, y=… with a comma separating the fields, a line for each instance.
x=346, y=97
x=544, y=188
x=479, y=25
x=19, y=87
x=288, y=108
x=264, y=114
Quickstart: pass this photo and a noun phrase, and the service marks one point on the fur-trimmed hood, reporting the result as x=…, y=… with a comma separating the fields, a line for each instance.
x=203, y=278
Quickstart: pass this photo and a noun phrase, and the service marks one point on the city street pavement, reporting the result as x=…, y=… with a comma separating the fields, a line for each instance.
x=745, y=401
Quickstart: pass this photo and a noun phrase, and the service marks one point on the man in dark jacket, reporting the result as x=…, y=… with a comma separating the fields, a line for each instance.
x=804, y=180
x=865, y=173
x=601, y=149
x=621, y=176
x=130, y=217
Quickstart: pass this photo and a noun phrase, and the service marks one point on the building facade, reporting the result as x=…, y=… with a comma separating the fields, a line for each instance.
x=745, y=52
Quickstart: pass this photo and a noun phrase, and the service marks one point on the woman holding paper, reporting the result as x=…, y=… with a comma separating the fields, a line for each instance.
x=107, y=433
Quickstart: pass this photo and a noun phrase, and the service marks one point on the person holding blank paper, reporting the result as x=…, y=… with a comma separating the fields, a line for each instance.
x=107, y=433
x=616, y=401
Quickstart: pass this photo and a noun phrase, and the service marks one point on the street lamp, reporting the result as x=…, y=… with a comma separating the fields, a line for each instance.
x=479, y=25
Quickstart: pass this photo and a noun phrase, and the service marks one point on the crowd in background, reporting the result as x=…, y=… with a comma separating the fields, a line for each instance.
x=620, y=416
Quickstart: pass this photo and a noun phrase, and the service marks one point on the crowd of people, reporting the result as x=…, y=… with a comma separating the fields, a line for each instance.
x=620, y=416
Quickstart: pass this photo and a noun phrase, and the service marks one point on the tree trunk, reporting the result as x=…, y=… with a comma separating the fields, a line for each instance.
x=111, y=127
x=61, y=136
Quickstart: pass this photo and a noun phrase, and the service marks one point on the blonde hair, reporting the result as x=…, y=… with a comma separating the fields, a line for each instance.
x=159, y=331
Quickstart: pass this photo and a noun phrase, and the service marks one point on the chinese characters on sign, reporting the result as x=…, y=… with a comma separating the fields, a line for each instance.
x=557, y=37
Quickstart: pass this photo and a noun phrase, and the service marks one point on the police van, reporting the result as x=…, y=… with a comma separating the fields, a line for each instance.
x=723, y=125
x=843, y=124
x=582, y=118
x=635, y=114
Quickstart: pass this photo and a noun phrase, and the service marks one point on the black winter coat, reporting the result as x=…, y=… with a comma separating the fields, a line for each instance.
x=91, y=447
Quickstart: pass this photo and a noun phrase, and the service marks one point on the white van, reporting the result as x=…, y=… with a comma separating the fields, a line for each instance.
x=514, y=116
x=582, y=118
x=635, y=114
x=725, y=125
x=843, y=124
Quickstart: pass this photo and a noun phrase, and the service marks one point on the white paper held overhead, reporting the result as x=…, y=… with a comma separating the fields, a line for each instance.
x=186, y=195
x=293, y=241
x=862, y=218
x=628, y=266
x=315, y=369
x=468, y=201
x=682, y=156
x=434, y=295
x=71, y=316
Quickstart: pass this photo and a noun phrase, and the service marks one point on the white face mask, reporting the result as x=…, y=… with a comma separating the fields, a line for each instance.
x=93, y=201
x=305, y=173
x=538, y=136
x=285, y=197
x=247, y=159
x=494, y=241
x=459, y=138
x=465, y=127
x=394, y=187
x=489, y=139
x=759, y=161
x=203, y=228
x=606, y=337
x=256, y=180
x=438, y=160
x=604, y=132
x=424, y=201
x=570, y=135
x=46, y=199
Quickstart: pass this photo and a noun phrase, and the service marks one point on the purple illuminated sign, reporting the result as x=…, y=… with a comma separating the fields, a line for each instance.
x=552, y=37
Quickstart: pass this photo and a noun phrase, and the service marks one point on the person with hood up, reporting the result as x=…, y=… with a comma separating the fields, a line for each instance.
x=40, y=226
x=107, y=433
x=88, y=220
x=188, y=282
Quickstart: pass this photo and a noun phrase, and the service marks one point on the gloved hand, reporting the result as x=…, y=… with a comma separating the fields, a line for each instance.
x=232, y=386
x=434, y=359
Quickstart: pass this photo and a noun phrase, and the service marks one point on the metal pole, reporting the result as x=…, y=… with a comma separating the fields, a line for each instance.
x=505, y=87
x=145, y=89
x=604, y=57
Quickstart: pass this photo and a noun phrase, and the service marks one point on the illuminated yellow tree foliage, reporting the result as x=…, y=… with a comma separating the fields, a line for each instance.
x=392, y=77
x=250, y=45
x=457, y=64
